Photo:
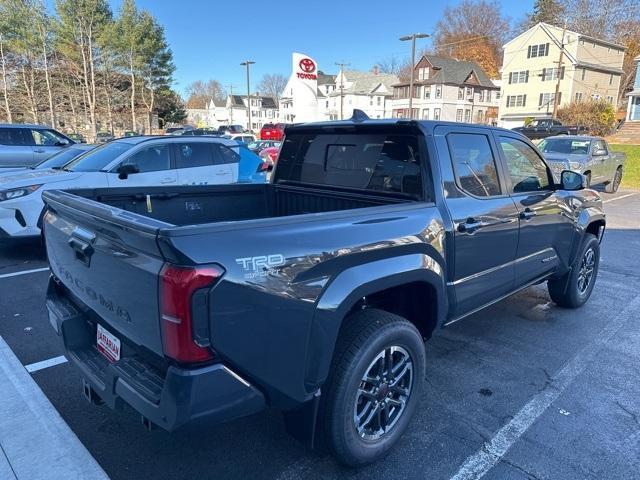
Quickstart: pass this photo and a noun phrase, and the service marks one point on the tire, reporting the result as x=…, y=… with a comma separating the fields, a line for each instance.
x=367, y=338
x=573, y=289
x=613, y=185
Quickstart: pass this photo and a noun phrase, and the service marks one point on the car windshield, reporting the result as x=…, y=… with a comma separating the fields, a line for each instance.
x=99, y=157
x=60, y=159
x=564, y=145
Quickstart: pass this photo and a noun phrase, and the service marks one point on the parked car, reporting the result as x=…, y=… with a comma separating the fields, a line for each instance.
x=315, y=292
x=130, y=133
x=245, y=138
x=588, y=155
x=260, y=145
x=231, y=129
x=202, y=131
x=270, y=153
x=77, y=137
x=25, y=145
x=548, y=127
x=272, y=131
x=177, y=130
x=104, y=137
x=126, y=162
x=54, y=162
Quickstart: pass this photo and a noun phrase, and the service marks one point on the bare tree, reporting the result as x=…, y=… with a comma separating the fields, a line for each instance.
x=272, y=84
x=199, y=93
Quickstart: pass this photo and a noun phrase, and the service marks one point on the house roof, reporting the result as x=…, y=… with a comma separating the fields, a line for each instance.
x=323, y=78
x=267, y=102
x=452, y=71
x=601, y=67
x=548, y=27
x=366, y=82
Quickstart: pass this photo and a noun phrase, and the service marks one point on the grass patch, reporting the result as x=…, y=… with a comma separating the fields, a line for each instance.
x=631, y=177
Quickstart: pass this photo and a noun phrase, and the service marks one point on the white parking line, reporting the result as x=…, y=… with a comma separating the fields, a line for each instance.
x=51, y=362
x=477, y=465
x=620, y=197
x=24, y=272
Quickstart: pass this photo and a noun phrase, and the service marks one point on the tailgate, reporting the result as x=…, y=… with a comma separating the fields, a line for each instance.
x=109, y=259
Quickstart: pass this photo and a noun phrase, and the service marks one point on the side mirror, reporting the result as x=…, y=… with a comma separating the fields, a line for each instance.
x=127, y=169
x=599, y=152
x=571, y=180
x=63, y=143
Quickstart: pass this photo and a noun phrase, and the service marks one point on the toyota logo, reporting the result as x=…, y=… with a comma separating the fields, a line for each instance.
x=307, y=65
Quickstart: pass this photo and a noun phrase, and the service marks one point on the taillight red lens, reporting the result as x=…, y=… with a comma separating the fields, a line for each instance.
x=177, y=286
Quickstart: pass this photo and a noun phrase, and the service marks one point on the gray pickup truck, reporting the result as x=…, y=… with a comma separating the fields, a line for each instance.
x=548, y=127
x=315, y=293
x=590, y=156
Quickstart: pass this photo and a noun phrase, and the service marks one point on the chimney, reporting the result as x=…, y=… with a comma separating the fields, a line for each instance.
x=375, y=70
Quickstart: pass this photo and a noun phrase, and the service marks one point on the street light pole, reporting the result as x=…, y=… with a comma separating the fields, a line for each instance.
x=248, y=63
x=342, y=65
x=412, y=37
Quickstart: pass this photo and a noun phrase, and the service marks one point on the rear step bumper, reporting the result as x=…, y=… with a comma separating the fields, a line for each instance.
x=181, y=397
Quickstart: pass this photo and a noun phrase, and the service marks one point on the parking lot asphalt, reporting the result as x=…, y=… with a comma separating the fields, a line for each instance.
x=522, y=390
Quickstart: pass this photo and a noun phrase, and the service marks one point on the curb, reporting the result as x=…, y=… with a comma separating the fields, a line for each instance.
x=35, y=442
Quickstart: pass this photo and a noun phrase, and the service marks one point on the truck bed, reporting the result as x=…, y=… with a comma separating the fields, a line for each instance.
x=195, y=205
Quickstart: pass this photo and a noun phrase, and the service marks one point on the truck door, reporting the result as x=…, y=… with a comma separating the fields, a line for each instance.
x=546, y=220
x=485, y=218
x=601, y=159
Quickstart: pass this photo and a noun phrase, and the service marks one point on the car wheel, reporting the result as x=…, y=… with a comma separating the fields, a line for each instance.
x=613, y=185
x=574, y=288
x=374, y=385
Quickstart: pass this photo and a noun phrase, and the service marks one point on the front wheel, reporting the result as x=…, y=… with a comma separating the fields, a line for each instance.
x=573, y=289
x=374, y=386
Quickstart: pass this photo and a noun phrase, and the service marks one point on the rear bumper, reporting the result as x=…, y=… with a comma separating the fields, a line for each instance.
x=177, y=398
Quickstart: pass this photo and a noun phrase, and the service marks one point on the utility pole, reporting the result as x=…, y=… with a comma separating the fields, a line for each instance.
x=230, y=87
x=412, y=37
x=555, y=97
x=248, y=63
x=342, y=65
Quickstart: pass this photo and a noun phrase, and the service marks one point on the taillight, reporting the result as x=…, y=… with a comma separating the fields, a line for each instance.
x=177, y=286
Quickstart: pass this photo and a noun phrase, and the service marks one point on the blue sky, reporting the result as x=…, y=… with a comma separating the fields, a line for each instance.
x=210, y=38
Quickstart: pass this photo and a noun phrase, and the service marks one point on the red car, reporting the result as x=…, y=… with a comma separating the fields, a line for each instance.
x=272, y=131
x=270, y=153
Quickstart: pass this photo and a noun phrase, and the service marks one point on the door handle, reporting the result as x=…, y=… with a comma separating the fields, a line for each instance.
x=527, y=214
x=39, y=150
x=223, y=173
x=470, y=226
x=167, y=180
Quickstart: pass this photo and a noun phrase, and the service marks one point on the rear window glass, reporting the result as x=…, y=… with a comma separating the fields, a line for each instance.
x=367, y=161
x=11, y=136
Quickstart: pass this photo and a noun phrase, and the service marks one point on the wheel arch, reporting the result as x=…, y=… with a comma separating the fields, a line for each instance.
x=389, y=283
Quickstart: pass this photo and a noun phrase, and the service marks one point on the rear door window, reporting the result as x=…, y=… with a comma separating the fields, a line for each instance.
x=223, y=154
x=474, y=164
x=367, y=161
x=193, y=154
x=151, y=159
x=12, y=136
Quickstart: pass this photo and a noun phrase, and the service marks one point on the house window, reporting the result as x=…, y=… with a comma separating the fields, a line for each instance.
x=327, y=104
x=459, y=115
x=519, y=77
x=379, y=100
x=461, y=93
x=488, y=95
x=416, y=91
x=423, y=73
x=425, y=114
x=498, y=95
x=481, y=93
x=436, y=114
x=469, y=92
x=467, y=116
x=480, y=117
x=578, y=96
x=546, y=99
x=438, y=94
x=427, y=92
x=582, y=41
x=611, y=79
x=516, y=100
x=549, y=74
x=541, y=50
x=610, y=99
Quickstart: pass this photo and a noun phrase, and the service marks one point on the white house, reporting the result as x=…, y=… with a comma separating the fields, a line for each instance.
x=214, y=115
x=370, y=92
x=263, y=110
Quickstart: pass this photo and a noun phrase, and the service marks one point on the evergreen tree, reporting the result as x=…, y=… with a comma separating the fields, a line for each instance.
x=547, y=11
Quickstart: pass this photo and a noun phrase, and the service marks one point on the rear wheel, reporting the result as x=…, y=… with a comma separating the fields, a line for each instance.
x=613, y=185
x=574, y=288
x=374, y=385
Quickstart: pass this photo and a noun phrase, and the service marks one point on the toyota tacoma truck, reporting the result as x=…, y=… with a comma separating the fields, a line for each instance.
x=314, y=293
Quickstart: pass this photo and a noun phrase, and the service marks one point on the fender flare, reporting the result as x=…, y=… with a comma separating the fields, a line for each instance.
x=348, y=288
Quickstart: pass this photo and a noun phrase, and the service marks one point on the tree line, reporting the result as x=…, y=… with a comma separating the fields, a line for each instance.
x=84, y=69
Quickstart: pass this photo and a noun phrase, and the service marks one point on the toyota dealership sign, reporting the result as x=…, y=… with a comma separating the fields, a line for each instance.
x=307, y=69
x=302, y=90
